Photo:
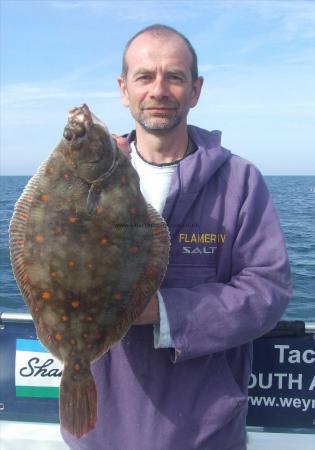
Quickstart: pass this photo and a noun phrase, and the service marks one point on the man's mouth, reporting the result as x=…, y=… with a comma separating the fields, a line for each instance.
x=160, y=109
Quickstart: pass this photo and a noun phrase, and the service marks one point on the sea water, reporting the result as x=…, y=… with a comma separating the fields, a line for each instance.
x=293, y=197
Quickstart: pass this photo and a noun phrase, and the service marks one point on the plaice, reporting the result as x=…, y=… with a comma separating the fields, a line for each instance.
x=88, y=253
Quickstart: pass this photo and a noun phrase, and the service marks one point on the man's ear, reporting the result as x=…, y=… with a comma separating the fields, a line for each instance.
x=195, y=94
x=122, y=83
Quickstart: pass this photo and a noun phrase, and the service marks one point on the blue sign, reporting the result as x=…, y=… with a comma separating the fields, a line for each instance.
x=282, y=384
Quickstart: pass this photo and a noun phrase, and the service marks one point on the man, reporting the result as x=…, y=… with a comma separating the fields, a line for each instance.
x=181, y=384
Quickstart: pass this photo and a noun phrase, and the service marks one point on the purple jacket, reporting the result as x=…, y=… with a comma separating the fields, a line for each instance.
x=228, y=282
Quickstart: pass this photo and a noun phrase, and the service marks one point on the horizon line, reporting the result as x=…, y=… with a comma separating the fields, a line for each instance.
x=265, y=175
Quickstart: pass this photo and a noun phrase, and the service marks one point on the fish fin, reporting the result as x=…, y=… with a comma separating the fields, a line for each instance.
x=77, y=400
x=93, y=199
x=17, y=230
x=154, y=271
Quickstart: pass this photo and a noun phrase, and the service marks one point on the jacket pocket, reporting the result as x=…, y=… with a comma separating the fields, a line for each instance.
x=230, y=382
x=221, y=396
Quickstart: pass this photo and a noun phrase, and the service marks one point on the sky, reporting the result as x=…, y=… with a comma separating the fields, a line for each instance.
x=257, y=59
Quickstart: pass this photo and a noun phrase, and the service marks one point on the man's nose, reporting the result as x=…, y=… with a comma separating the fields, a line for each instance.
x=159, y=88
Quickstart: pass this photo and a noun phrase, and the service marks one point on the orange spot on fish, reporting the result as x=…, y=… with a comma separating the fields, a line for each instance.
x=77, y=367
x=53, y=274
x=104, y=241
x=23, y=216
x=99, y=209
x=72, y=219
x=58, y=337
x=133, y=249
x=66, y=176
x=46, y=295
x=157, y=231
x=39, y=238
x=49, y=338
x=89, y=318
x=30, y=198
x=45, y=197
x=72, y=264
x=65, y=318
x=75, y=304
x=118, y=296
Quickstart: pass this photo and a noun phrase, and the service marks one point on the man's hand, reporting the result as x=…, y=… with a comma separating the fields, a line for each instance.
x=151, y=314
x=123, y=144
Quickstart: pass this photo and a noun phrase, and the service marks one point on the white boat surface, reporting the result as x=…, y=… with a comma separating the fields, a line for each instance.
x=46, y=436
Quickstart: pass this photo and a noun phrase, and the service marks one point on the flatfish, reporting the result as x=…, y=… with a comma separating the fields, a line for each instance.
x=88, y=253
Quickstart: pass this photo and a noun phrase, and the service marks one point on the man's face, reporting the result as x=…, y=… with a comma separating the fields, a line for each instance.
x=158, y=87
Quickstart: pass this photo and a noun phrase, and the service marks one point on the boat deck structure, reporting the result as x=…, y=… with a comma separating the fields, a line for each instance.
x=281, y=390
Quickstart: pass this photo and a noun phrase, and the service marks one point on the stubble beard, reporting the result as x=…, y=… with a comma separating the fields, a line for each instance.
x=157, y=125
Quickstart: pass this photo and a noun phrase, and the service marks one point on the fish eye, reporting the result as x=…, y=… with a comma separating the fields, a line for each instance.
x=67, y=134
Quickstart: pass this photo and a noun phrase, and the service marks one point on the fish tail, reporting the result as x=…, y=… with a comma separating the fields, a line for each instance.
x=77, y=400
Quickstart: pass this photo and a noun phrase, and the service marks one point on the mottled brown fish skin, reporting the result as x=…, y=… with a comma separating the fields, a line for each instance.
x=88, y=254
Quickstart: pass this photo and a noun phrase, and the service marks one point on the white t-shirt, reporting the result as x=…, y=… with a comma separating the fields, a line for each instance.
x=155, y=181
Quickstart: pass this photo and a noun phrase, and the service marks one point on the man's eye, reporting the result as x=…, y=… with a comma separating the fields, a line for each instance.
x=143, y=78
x=175, y=77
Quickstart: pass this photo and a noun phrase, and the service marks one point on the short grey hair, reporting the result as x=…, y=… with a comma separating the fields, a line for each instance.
x=159, y=30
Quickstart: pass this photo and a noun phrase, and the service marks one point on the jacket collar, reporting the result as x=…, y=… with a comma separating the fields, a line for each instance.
x=192, y=173
x=197, y=168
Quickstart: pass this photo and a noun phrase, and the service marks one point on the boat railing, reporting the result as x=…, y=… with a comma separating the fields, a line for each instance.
x=283, y=328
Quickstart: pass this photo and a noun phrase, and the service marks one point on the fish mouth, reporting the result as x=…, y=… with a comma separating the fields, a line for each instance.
x=80, y=120
x=82, y=114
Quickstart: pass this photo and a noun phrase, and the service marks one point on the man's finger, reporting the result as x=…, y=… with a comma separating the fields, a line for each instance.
x=123, y=144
